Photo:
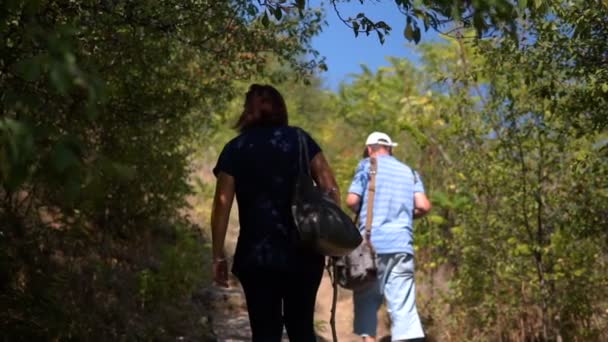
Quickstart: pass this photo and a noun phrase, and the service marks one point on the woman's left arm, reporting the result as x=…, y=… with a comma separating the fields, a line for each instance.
x=322, y=174
x=222, y=203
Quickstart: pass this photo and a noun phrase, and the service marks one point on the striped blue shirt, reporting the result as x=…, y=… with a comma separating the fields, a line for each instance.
x=393, y=210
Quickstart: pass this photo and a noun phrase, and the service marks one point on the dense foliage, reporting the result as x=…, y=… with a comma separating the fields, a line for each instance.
x=112, y=113
x=484, y=16
x=99, y=103
x=511, y=138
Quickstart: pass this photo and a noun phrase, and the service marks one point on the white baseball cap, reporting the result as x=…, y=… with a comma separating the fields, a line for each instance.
x=379, y=138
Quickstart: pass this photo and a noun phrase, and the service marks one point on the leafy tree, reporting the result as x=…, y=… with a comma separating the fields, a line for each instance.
x=486, y=17
x=543, y=123
x=511, y=141
x=100, y=103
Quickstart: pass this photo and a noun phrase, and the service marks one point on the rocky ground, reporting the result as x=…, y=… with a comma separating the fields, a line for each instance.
x=229, y=321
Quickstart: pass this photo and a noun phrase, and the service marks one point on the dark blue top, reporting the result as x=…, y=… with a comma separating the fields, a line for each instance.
x=264, y=164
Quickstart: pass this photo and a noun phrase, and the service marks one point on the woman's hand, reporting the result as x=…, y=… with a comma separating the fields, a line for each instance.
x=220, y=272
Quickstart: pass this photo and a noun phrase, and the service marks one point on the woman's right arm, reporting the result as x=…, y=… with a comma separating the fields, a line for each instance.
x=220, y=214
x=322, y=174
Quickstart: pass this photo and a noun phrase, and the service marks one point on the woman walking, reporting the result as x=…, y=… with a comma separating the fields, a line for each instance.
x=280, y=278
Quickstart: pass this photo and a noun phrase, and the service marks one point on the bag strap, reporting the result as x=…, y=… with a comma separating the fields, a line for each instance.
x=371, y=195
x=303, y=160
x=334, y=299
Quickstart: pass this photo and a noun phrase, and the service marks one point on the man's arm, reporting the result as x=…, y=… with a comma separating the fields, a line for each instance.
x=422, y=205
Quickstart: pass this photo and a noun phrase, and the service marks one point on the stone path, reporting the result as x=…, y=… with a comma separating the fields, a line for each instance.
x=228, y=314
x=230, y=323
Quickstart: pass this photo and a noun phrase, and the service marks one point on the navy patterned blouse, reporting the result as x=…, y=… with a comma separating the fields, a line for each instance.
x=264, y=164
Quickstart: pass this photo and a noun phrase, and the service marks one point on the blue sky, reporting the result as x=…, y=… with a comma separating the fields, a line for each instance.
x=345, y=53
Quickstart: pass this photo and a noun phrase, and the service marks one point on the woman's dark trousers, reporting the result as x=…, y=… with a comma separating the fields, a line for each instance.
x=275, y=299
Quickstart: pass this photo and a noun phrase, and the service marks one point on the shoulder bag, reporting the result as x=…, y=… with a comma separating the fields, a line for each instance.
x=321, y=224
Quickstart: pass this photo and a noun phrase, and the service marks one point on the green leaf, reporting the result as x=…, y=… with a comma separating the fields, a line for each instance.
x=252, y=10
x=32, y=7
x=457, y=230
x=479, y=23
x=323, y=66
x=523, y=4
x=123, y=171
x=356, y=28
x=522, y=249
x=380, y=37
x=416, y=35
x=301, y=4
x=16, y=152
x=59, y=79
x=278, y=13
x=408, y=33
x=63, y=156
x=31, y=69
x=436, y=219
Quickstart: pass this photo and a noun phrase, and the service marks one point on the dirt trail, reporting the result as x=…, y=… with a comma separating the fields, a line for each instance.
x=230, y=322
x=344, y=314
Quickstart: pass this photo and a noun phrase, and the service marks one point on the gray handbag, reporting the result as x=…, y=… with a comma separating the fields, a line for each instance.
x=357, y=270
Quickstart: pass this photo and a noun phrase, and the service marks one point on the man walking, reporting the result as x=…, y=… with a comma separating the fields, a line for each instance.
x=398, y=198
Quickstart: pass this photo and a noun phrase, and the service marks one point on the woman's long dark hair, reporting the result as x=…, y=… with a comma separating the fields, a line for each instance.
x=273, y=111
